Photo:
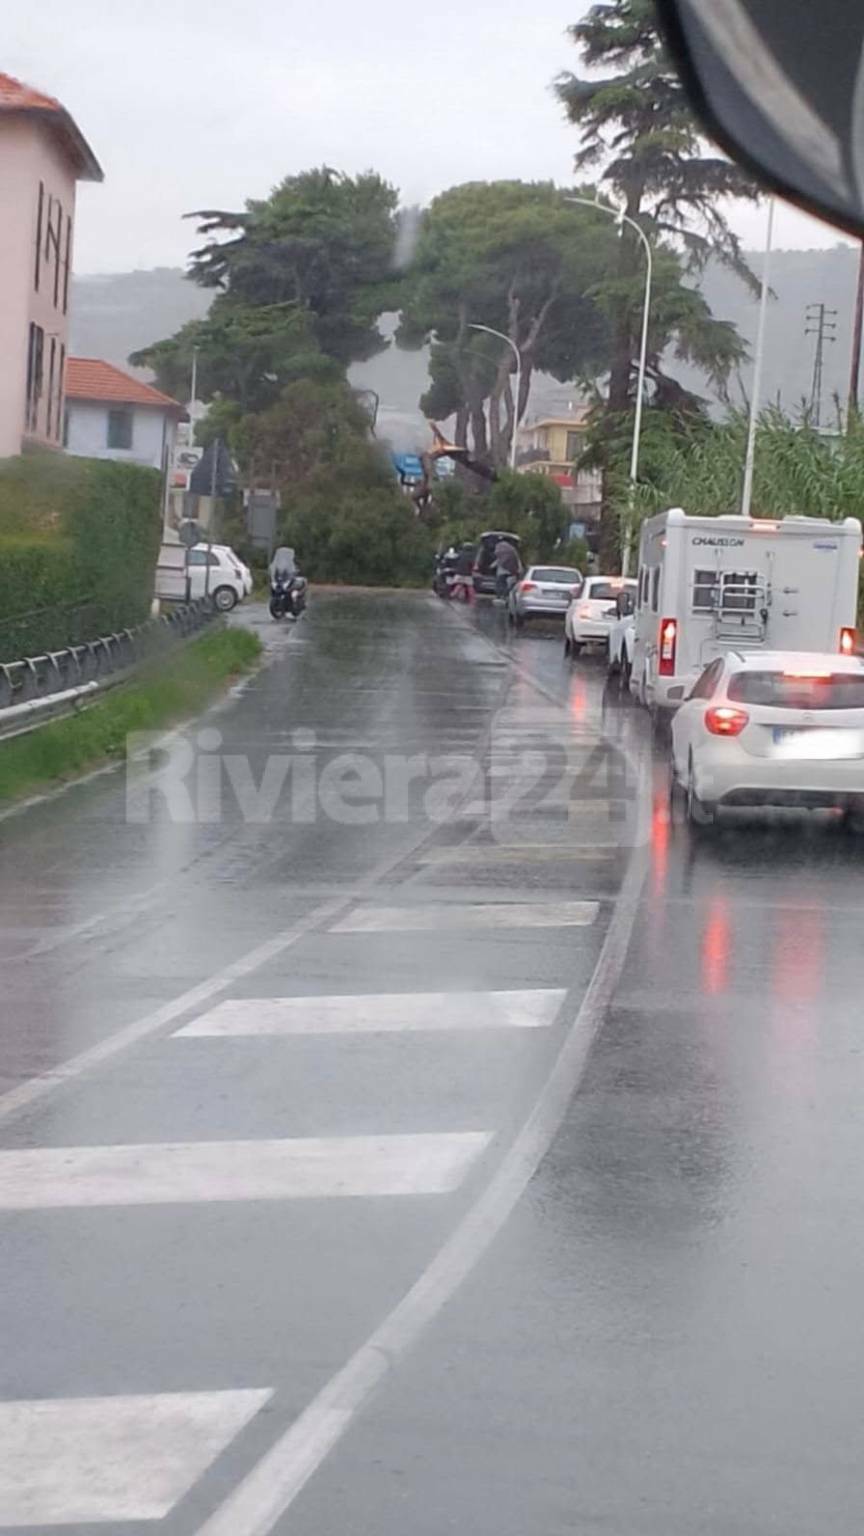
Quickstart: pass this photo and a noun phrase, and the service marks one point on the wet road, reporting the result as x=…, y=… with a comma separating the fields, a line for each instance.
x=285, y=1252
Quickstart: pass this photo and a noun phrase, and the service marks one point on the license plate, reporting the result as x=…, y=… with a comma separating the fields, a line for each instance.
x=815, y=745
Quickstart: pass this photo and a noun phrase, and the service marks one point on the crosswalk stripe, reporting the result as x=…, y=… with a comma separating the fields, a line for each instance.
x=170, y=1173
x=387, y=1013
x=69, y=1461
x=515, y=914
x=518, y=853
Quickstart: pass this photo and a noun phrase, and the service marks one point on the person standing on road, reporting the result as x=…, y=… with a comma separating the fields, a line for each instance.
x=507, y=566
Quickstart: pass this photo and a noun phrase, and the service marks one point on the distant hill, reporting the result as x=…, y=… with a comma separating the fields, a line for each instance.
x=115, y=315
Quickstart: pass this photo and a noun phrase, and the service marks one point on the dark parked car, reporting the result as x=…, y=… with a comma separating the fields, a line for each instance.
x=484, y=559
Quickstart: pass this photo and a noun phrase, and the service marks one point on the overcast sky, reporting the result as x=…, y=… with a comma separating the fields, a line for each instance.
x=203, y=105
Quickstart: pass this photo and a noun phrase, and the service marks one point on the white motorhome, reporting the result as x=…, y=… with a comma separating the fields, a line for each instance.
x=707, y=584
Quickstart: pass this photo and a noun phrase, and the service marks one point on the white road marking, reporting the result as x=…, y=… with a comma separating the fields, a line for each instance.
x=514, y=852
x=512, y=914
x=69, y=1461
x=387, y=1013
x=171, y=1173
x=268, y=1491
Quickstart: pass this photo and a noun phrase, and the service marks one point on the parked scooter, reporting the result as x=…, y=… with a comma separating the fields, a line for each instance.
x=287, y=587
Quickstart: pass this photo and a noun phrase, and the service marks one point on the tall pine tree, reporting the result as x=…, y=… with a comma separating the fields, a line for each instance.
x=640, y=138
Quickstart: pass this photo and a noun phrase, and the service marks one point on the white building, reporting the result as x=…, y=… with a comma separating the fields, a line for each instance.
x=110, y=415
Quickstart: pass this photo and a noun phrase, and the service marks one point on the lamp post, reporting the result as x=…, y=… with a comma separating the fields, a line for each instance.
x=490, y=331
x=750, y=456
x=620, y=218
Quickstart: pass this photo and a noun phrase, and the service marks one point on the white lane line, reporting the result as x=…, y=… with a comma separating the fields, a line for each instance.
x=172, y=1173
x=268, y=1491
x=387, y=1013
x=510, y=914
x=69, y=1461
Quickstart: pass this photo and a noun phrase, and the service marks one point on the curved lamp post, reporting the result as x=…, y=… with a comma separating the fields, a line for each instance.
x=621, y=218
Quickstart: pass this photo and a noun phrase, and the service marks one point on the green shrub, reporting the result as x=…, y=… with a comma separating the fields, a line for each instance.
x=79, y=540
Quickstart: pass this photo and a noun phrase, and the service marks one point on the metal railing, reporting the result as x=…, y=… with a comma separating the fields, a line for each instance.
x=94, y=661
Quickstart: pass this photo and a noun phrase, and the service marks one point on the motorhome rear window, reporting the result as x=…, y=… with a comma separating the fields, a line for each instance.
x=704, y=586
x=655, y=590
x=734, y=591
x=777, y=690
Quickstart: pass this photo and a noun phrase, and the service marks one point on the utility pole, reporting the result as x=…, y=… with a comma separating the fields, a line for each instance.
x=857, y=325
x=821, y=323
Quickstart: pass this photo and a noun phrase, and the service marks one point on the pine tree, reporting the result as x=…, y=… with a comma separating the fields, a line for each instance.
x=640, y=138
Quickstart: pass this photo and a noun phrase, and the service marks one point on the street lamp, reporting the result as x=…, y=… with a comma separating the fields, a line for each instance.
x=490, y=331
x=620, y=218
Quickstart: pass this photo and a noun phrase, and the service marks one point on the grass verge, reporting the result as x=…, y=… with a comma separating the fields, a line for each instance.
x=156, y=699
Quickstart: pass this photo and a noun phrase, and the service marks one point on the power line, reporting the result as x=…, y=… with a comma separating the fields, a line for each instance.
x=821, y=323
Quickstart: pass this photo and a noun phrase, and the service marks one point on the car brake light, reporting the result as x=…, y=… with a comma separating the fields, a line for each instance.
x=723, y=720
x=585, y=611
x=809, y=673
x=527, y=586
x=848, y=639
x=668, y=646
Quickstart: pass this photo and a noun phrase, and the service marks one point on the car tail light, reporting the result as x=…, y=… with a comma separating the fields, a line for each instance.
x=475, y=569
x=585, y=611
x=574, y=591
x=848, y=639
x=723, y=720
x=668, y=646
x=527, y=586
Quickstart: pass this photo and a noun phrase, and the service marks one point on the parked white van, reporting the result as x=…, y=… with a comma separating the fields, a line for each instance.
x=708, y=584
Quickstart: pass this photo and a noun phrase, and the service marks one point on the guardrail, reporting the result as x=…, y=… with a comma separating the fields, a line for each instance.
x=68, y=678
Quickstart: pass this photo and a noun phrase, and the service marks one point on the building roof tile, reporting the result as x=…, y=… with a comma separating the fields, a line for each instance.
x=90, y=378
x=16, y=97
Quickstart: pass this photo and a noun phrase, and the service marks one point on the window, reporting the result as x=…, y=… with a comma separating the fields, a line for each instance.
x=66, y=262
x=574, y=446
x=604, y=591
x=655, y=589
x=706, y=687
x=120, y=428
x=61, y=374
x=39, y=217
x=35, y=356
x=53, y=240
x=704, y=587
x=49, y=423
x=199, y=557
x=836, y=690
x=559, y=575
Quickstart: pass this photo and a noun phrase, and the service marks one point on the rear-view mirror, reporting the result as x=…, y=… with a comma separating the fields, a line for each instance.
x=780, y=86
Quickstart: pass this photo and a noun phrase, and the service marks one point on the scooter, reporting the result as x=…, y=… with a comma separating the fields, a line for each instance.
x=287, y=596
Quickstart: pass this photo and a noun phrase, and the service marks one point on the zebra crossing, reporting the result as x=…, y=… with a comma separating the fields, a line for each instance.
x=105, y=1459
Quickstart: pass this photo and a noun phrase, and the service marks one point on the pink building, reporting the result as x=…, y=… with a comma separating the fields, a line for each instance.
x=42, y=156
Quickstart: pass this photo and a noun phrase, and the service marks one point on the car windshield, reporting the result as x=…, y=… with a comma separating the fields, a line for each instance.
x=558, y=575
x=780, y=690
x=603, y=591
x=430, y=1099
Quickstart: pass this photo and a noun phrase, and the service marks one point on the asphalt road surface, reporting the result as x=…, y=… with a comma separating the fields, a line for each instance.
x=404, y=1129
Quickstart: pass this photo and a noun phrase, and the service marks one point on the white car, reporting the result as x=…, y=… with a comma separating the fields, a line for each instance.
x=229, y=579
x=589, y=617
x=771, y=728
x=622, y=639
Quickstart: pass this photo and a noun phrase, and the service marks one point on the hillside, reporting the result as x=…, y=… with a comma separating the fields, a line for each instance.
x=112, y=316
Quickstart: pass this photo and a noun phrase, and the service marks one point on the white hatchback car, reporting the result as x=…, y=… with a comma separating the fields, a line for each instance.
x=771, y=728
x=230, y=580
x=590, y=615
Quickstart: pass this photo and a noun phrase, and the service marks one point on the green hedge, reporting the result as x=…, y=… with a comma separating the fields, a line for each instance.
x=79, y=540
